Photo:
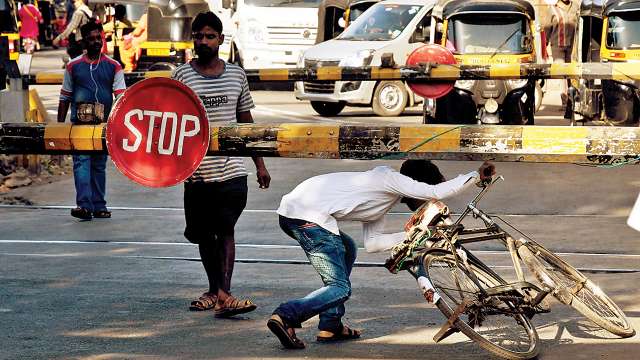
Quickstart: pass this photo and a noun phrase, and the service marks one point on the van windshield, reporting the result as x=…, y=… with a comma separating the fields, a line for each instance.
x=623, y=31
x=489, y=34
x=284, y=3
x=381, y=22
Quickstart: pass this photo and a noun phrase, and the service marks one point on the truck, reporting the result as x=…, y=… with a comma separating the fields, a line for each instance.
x=269, y=33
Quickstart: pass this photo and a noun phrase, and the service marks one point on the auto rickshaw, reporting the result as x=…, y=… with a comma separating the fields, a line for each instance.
x=329, y=14
x=488, y=32
x=356, y=8
x=621, y=43
x=169, y=41
x=9, y=27
x=586, y=94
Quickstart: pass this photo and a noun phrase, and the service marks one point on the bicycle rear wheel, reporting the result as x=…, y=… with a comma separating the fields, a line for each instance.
x=492, y=322
x=577, y=291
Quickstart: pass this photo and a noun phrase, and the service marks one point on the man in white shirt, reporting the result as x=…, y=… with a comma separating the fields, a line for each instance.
x=310, y=214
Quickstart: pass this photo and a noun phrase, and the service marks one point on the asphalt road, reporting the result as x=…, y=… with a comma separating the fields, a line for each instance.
x=120, y=288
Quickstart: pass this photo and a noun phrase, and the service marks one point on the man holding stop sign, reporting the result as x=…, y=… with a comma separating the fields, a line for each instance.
x=216, y=194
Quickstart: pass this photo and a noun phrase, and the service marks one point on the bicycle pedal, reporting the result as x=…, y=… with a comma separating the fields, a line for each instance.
x=444, y=332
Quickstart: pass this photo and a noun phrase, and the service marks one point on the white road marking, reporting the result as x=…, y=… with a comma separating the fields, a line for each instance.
x=287, y=261
x=269, y=211
x=264, y=246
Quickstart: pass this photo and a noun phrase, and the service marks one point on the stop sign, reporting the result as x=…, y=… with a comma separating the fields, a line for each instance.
x=431, y=53
x=158, y=132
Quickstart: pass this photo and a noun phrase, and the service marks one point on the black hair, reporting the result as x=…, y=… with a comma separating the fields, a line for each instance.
x=422, y=170
x=206, y=19
x=89, y=27
x=120, y=11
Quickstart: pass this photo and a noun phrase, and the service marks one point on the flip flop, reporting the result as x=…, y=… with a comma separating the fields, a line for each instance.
x=280, y=329
x=205, y=302
x=339, y=335
x=232, y=306
x=102, y=214
x=81, y=213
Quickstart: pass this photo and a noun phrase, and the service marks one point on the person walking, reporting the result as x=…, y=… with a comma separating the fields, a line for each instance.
x=30, y=17
x=216, y=194
x=310, y=214
x=90, y=83
x=81, y=16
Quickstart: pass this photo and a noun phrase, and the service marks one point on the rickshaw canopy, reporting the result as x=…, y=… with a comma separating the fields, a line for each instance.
x=457, y=7
x=621, y=6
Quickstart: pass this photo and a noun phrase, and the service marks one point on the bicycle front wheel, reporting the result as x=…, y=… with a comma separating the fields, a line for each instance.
x=492, y=322
x=577, y=291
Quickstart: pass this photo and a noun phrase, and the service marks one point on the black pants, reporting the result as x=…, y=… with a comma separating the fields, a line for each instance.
x=212, y=209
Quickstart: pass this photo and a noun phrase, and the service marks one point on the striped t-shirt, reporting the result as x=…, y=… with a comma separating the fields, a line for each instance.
x=223, y=97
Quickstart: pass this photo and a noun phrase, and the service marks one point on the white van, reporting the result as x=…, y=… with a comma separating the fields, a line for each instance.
x=267, y=33
x=390, y=26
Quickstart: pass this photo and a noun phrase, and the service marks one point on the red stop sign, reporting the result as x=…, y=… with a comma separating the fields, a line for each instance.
x=431, y=53
x=158, y=132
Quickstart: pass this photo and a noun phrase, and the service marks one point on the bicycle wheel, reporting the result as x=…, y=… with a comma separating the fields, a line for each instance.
x=577, y=291
x=491, y=322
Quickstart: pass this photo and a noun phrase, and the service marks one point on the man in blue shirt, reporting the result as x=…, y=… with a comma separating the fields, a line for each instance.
x=90, y=82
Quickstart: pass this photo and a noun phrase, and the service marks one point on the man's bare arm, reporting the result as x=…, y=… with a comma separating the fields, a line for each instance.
x=63, y=107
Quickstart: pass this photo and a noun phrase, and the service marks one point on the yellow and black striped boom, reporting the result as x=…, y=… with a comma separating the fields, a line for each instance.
x=427, y=72
x=590, y=145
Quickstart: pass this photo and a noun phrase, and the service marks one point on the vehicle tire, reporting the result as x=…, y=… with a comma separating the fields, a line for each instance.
x=328, y=108
x=389, y=98
x=500, y=330
x=589, y=299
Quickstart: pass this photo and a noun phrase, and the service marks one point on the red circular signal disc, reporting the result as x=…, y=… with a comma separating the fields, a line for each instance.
x=431, y=53
x=158, y=132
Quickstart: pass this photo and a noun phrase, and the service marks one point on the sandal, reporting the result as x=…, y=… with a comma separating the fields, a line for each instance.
x=102, y=214
x=339, y=335
x=205, y=302
x=81, y=213
x=281, y=330
x=232, y=306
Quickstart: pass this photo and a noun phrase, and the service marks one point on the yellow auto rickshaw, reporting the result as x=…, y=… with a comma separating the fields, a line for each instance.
x=621, y=43
x=586, y=94
x=488, y=32
x=9, y=27
x=169, y=33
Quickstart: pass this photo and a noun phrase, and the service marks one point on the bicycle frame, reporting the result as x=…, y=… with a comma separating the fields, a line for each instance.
x=453, y=237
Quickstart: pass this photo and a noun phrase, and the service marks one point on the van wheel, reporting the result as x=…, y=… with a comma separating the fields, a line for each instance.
x=328, y=108
x=389, y=98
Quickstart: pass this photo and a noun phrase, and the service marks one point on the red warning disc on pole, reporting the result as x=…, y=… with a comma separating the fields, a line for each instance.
x=431, y=53
x=158, y=132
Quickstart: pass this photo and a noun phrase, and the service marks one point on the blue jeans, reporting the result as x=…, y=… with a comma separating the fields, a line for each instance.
x=332, y=256
x=89, y=174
